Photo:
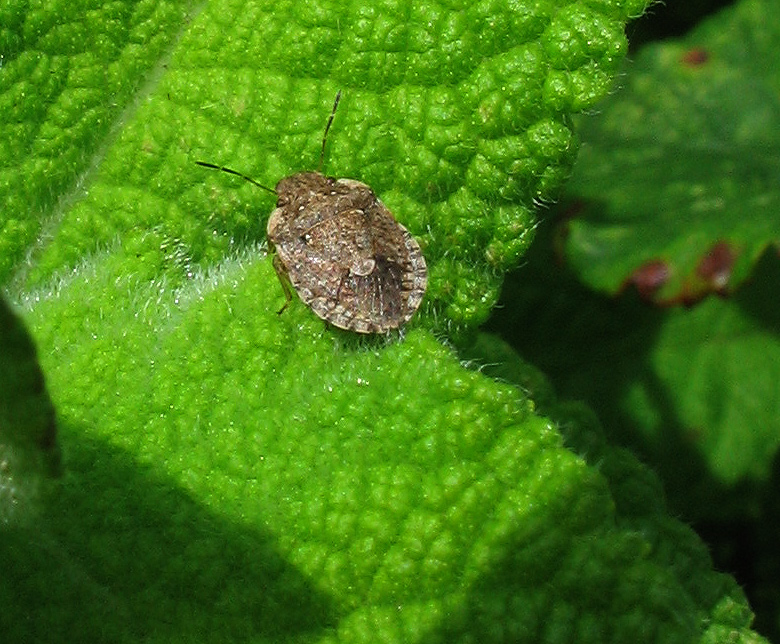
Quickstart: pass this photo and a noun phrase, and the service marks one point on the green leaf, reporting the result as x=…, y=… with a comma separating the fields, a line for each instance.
x=237, y=475
x=678, y=176
x=250, y=475
x=66, y=74
x=690, y=389
x=458, y=118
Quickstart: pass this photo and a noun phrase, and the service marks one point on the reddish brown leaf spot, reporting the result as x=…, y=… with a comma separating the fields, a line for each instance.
x=650, y=277
x=695, y=57
x=715, y=267
x=571, y=210
x=712, y=274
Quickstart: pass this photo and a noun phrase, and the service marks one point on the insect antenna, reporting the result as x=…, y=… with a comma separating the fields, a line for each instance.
x=235, y=172
x=327, y=127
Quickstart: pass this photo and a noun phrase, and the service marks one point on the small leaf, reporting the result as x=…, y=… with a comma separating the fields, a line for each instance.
x=677, y=181
x=691, y=389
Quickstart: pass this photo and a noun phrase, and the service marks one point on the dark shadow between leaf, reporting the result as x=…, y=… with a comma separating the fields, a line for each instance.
x=594, y=348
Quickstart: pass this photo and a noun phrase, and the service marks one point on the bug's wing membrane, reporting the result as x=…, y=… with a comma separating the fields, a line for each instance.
x=345, y=254
x=347, y=269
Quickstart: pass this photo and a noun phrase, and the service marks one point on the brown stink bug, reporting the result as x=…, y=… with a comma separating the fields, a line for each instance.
x=342, y=250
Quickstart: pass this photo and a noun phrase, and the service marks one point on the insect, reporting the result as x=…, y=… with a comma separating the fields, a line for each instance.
x=342, y=250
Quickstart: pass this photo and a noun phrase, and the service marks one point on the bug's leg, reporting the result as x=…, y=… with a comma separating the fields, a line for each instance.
x=284, y=280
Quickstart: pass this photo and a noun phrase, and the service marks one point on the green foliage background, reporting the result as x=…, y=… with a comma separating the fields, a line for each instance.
x=229, y=474
x=674, y=195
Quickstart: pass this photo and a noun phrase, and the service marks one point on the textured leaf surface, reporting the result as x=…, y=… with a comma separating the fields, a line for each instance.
x=241, y=474
x=237, y=475
x=457, y=116
x=678, y=176
x=66, y=73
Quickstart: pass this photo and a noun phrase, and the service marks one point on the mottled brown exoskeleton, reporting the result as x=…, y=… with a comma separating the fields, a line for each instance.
x=342, y=250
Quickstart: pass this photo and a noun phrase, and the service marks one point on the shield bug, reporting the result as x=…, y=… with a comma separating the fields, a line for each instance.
x=342, y=250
